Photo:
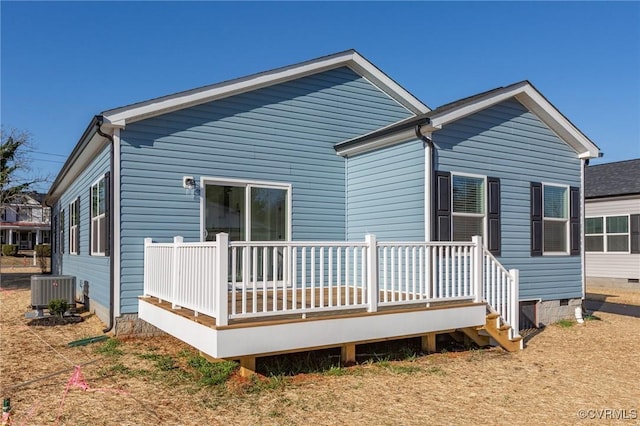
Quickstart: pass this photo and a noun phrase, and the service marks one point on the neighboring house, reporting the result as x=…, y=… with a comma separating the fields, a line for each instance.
x=612, y=223
x=307, y=160
x=25, y=222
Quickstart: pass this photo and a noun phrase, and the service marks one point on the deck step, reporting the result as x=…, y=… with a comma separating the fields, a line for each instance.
x=500, y=333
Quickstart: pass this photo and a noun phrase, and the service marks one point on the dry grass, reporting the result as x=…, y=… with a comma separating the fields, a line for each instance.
x=614, y=295
x=21, y=264
x=147, y=381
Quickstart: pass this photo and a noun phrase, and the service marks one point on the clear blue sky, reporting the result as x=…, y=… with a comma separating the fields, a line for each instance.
x=63, y=62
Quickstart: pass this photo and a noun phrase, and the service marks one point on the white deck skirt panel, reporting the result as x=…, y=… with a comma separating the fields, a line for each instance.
x=258, y=340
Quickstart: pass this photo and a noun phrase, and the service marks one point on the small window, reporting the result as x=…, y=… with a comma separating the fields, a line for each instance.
x=618, y=233
x=74, y=222
x=594, y=234
x=468, y=207
x=555, y=218
x=607, y=234
x=99, y=217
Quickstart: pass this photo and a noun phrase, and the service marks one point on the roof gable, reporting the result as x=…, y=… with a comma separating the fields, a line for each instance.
x=525, y=93
x=434, y=120
x=119, y=117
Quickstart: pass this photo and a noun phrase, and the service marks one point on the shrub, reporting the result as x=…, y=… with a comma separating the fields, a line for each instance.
x=43, y=252
x=9, y=249
x=58, y=307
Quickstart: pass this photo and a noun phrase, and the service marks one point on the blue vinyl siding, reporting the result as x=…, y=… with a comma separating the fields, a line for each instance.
x=508, y=142
x=283, y=133
x=94, y=269
x=385, y=193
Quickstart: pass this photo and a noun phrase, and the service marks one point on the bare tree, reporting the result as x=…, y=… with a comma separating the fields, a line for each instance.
x=16, y=176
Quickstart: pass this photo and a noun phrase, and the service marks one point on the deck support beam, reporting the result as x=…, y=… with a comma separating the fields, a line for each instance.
x=348, y=354
x=247, y=366
x=429, y=343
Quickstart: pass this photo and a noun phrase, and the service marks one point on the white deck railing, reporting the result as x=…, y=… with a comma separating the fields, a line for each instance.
x=501, y=291
x=234, y=280
x=183, y=274
x=435, y=271
x=273, y=277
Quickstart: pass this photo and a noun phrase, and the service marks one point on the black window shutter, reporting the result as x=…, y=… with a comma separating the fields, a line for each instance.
x=574, y=221
x=107, y=213
x=443, y=206
x=78, y=225
x=54, y=230
x=634, y=227
x=536, y=219
x=90, y=249
x=61, y=230
x=493, y=216
x=69, y=228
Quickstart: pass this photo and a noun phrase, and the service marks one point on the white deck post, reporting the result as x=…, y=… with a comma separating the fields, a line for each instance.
x=372, y=272
x=515, y=302
x=176, y=272
x=147, y=267
x=478, y=275
x=221, y=284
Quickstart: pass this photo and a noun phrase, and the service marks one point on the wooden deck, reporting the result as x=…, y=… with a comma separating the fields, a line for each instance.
x=264, y=305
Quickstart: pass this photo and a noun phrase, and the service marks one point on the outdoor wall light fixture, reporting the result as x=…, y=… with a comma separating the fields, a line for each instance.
x=188, y=182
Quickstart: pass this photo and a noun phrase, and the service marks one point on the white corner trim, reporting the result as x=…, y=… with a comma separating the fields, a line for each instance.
x=378, y=143
x=116, y=223
x=351, y=59
x=428, y=190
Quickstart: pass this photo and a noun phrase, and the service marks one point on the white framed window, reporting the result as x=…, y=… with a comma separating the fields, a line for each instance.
x=98, y=218
x=607, y=234
x=555, y=208
x=74, y=222
x=468, y=206
x=246, y=210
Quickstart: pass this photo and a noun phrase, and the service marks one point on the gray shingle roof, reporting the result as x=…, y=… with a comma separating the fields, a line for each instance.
x=610, y=179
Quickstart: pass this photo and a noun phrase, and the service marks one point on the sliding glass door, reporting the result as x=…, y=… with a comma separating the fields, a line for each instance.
x=247, y=212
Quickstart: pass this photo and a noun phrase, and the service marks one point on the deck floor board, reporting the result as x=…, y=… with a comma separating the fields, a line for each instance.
x=279, y=317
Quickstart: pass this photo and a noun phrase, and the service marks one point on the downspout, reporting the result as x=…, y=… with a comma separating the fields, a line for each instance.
x=99, y=121
x=429, y=160
x=583, y=265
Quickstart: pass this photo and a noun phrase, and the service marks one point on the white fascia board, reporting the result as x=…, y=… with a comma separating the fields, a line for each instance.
x=351, y=59
x=439, y=120
x=365, y=68
x=378, y=143
x=93, y=147
x=537, y=104
x=534, y=102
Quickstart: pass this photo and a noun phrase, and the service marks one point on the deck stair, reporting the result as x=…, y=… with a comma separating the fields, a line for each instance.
x=495, y=329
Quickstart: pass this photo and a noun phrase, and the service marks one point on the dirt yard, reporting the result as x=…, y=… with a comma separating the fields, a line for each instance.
x=568, y=374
